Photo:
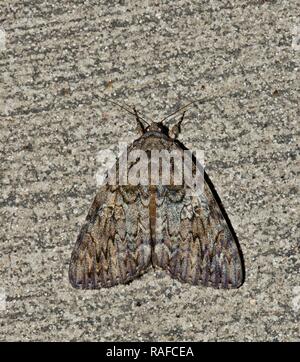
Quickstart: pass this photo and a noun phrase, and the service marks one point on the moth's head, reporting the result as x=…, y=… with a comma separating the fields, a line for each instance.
x=145, y=127
x=157, y=127
x=172, y=132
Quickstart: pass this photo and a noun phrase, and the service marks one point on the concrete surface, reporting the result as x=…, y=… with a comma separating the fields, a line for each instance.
x=56, y=57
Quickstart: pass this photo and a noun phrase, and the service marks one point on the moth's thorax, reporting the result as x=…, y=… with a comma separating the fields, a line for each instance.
x=154, y=140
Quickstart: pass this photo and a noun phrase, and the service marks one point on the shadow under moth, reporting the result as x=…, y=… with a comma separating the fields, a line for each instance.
x=130, y=228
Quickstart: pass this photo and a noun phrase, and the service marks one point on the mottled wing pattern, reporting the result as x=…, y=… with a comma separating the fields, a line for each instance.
x=193, y=240
x=114, y=243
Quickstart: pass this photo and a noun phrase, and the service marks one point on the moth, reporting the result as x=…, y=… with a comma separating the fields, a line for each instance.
x=131, y=228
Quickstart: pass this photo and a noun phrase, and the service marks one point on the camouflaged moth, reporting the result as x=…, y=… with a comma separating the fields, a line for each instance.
x=130, y=228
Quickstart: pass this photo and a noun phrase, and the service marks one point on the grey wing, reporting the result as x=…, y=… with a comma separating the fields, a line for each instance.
x=194, y=242
x=114, y=243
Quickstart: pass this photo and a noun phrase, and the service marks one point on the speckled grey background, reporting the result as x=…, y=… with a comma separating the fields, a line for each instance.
x=55, y=58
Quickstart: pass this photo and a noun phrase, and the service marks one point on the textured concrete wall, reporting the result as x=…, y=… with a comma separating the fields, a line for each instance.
x=55, y=58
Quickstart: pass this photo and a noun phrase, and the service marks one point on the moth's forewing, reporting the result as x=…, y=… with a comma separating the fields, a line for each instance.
x=114, y=243
x=195, y=244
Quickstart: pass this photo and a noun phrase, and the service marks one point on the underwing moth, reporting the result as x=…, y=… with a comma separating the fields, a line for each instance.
x=132, y=227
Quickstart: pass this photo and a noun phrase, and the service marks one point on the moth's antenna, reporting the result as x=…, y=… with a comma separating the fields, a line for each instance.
x=134, y=113
x=178, y=110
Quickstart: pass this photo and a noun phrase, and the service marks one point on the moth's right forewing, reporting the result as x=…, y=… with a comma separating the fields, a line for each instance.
x=113, y=245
